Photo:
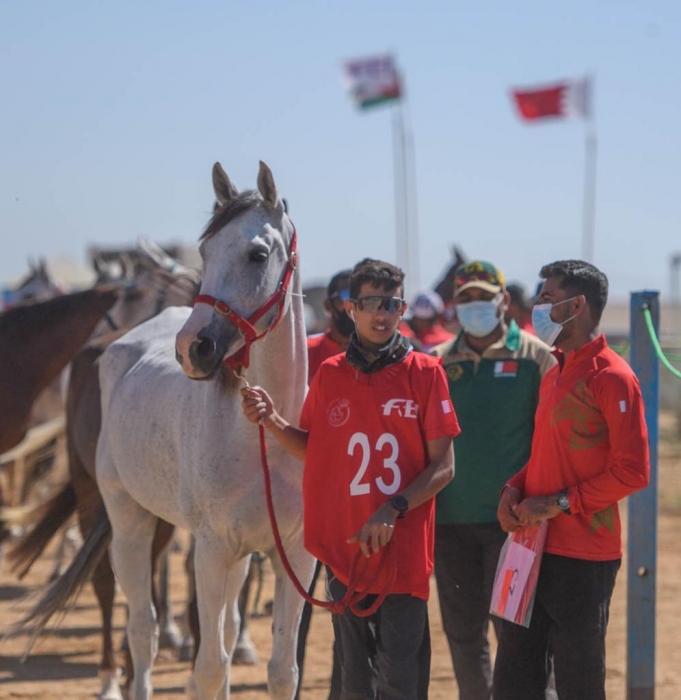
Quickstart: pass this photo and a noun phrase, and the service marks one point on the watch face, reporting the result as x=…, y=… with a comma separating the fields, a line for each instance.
x=399, y=503
x=563, y=501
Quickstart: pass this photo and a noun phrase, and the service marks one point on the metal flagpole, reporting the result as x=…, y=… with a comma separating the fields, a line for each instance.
x=401, y=194
x=589, y=215
x=590, y=154
x=413, y=239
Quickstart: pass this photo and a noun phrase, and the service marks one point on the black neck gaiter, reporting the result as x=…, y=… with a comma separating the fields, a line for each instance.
x=371, y=361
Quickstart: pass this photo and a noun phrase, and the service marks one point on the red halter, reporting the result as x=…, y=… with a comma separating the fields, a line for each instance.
x=247, y=326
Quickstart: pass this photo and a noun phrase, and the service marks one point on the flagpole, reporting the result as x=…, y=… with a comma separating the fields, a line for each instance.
x=589, y=214
x=590, y=161
x=402, y=208
x=413, y=241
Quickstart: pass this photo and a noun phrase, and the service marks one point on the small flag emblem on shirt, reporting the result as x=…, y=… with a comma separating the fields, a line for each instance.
x=505, y=368
x=447, y=406
x=623, y=406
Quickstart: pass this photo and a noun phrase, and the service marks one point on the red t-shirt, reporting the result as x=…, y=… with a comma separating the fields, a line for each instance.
x=319, y=348
x=590, y=437
x=433, y=336
x=368, y=437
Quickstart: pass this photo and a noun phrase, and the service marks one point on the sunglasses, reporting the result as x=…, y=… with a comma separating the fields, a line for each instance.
x=374, y=304
x=341, y=295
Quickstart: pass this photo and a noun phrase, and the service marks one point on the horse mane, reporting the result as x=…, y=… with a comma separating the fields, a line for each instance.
x=243, y=202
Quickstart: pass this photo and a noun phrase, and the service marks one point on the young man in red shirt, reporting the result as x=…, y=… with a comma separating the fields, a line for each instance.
x=589, y=450
x=376, y=436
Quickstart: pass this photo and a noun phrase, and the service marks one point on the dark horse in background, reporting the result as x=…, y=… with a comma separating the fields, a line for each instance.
x=36, y=343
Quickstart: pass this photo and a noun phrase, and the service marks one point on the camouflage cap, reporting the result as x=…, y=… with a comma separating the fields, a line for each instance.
x=480, y=274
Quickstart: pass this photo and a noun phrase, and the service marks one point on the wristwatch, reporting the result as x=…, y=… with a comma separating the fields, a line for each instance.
x=400, y=504
x=563, y=501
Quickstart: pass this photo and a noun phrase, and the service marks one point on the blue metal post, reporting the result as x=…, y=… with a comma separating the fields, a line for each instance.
x=642, y=531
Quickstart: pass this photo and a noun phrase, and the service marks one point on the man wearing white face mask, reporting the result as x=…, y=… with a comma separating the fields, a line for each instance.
x=589, y=450
x=494, y=371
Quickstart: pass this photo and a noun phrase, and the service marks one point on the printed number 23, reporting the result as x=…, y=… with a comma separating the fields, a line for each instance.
x=361, y=440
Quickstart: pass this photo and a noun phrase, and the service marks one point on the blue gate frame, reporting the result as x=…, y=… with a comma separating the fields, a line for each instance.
x=642, y=523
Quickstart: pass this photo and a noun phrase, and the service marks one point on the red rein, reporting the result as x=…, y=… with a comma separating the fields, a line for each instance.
x=353, y=594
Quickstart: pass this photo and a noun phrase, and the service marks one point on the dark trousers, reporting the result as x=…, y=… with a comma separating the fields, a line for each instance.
x=385, y=656
x=570, y=616
x=466, y=557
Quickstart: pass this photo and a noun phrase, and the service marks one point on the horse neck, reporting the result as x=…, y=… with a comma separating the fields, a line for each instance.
x=279, y=361
x=53, y=331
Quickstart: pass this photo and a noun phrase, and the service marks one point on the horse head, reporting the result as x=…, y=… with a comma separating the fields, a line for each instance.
x=248, y=253
x=151, y=280
x=37, y=286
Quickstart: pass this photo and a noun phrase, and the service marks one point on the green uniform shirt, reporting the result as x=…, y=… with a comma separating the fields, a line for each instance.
x=495, y=396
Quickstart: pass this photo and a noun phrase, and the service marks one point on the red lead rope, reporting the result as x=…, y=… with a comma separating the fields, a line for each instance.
x=353, y=594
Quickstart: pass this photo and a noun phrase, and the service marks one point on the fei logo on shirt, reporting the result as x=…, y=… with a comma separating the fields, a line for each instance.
x=338, y=412
x=404, y=407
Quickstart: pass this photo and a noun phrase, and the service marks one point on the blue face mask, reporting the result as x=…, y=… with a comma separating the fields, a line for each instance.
x=544, y=326
x=479, y=318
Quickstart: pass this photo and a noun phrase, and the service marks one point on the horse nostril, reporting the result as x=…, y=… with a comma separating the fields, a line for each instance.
x=205, y=349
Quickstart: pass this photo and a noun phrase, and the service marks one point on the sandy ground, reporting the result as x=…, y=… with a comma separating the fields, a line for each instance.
x=64, y=662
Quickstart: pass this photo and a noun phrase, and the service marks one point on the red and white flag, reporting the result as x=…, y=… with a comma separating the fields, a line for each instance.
x=373, y=80
x=568, y=98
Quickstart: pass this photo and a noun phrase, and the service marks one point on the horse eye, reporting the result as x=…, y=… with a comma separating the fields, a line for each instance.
x=258, y=256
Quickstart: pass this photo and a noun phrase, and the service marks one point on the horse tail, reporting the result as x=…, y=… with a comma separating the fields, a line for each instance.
x=61, y=595
x=51, y=516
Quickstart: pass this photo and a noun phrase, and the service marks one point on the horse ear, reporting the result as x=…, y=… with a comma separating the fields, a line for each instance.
x=266, y=185
x=224, y=189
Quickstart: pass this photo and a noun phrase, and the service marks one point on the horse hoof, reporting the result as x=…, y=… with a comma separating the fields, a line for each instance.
x=245, y=656
x=111, y=690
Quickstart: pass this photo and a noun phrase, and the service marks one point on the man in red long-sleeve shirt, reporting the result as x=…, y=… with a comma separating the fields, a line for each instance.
x=589, y=450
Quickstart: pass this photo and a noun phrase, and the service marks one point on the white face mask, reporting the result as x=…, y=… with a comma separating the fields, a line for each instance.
x=544, y=326
x=479, y=318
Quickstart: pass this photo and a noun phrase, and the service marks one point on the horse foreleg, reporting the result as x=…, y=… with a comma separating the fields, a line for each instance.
x=67, y=546
x=131, y=547
x=244, y=652
x=169, y=632
x=282, y=670
x=105, y=589
x=211, y=666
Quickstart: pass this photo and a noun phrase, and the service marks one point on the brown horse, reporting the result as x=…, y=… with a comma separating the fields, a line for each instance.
x=36, y=343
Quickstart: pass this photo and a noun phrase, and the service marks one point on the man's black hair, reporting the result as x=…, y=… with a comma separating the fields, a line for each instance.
x=381, y=275
x=518, y=295
x=338, y=281
x=579, y=277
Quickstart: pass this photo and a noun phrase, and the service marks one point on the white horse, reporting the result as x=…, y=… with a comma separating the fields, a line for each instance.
x=184, y=452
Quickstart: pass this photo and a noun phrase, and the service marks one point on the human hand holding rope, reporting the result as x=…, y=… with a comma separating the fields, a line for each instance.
x=377, y=531
x=257, y=405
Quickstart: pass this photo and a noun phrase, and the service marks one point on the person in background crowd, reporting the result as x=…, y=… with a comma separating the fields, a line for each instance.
x=494, y=370
x=336, y=337
x=423, y=317
x=519, y=307
x=589, y=450
x=376, y=435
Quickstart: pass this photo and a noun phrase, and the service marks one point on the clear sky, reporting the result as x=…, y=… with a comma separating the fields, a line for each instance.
x=113, y=114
